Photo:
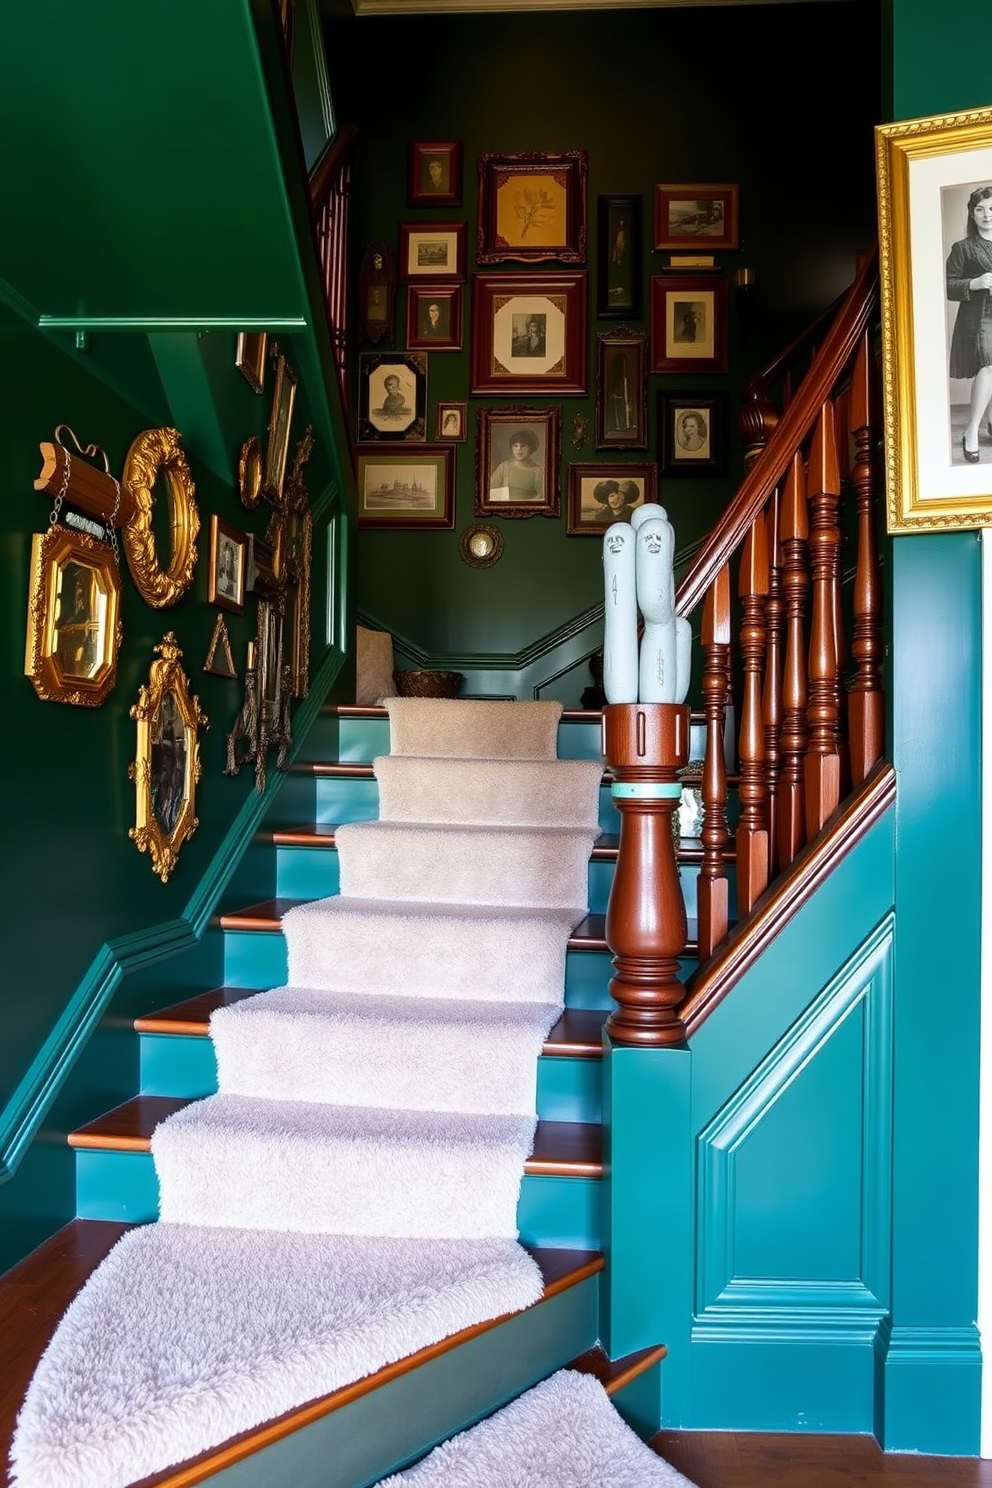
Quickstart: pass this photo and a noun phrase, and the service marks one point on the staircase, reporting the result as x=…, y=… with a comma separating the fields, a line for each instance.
x=384, y=1421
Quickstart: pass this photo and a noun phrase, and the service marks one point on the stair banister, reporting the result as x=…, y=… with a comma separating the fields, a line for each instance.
x=713, y=888
x=791, y=806
x=753, y=863
x=865, y=703
x=823, y=765
x=838, y=346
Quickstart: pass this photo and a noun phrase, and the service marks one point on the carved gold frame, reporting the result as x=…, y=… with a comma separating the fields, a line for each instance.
x=155, y=452
x=167, y=765
x=73, y=626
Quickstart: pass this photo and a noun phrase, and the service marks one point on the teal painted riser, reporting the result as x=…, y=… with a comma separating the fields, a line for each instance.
x=360, y=740
x=184, y=1065
x=258, y=959
x=338, y=799
x=552, y=1211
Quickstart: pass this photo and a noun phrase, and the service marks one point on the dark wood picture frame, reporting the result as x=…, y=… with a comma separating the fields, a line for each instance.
x=452, y=421
x=226, y=578
x=621, y=389
x=432, y=250
x=392, y=396
x=435, y=173
x=692, y=449
x=620, y=237
x=697, y=217
x=537, y=194
x=404, y=489
x=494, y=459
x=689, y=331
x=503, y=306
x=377, y=294
x=423, y=331
x=607, y=491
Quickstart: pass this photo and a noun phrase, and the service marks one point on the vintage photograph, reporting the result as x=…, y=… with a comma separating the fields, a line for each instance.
x=250, y=358
x=517, y=458
x=226, y=579
x=692, y=433
x=406, y=488
x=935, y=200
x=434, y=317
x=619, y=256
x=532, y=207
x=604, y=493
x=435, y=178
x=696, y=216
x=280, y=424
x=392, y=396
x=432, y=251
x=688, y=324
x=529, y=333
x=621, y=390
x=452, y=421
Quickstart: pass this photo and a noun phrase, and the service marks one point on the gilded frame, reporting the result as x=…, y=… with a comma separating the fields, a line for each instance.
x=591, y=487
x=226, y=579
x=280, y=425
x=494, y=444
x=926, y=169
x=166, y=767
x=621, y=389
x=249, y=358
x=534, y=193
x=71, y=657
x=502, y=307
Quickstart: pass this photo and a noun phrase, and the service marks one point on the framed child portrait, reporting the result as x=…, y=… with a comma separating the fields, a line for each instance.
x=517, y=458
x=392, y=396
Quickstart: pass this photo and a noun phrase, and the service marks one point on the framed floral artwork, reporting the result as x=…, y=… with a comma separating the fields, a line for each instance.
x=532, y=207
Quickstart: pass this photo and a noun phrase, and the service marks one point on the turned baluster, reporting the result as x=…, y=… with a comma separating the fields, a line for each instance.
x=771, y=706
x=752, y=832
x=865, y=705
x=645, y=744
x=822, y=713
x=794, y=532
x=712, y=890
x=757, y=419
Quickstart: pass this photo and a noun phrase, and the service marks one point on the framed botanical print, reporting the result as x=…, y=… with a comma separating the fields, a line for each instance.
x=434, y=317
x=532, y=207
x=435, y=173
x=621, y=389
x=607, y=492
x=618, y=255
x=529, y=333
x=689, y=323
x=517, y=457
x=433, y=250
x=392, y=395
x=692, y=433
x=406, y=488
x=696, y=217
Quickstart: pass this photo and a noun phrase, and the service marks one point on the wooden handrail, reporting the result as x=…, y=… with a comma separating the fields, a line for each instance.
x=328, y=165
x=839, y=345
x=745, y=943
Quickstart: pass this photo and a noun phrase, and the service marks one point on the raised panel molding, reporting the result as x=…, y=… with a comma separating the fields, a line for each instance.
x=839, y=1209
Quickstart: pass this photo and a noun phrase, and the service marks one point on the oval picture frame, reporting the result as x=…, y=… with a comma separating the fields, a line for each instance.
x=167, y=767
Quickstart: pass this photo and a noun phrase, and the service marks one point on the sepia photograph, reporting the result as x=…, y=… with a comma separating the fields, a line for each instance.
x=406, y=488
x=517, y=462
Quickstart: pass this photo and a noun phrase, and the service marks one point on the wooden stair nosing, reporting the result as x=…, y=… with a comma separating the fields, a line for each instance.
x=616, y=1374
x=576, y=1035
x=35, y=1293
x=568, y=1149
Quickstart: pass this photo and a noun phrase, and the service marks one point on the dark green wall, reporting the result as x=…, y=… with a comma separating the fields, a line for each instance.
x=781, y=99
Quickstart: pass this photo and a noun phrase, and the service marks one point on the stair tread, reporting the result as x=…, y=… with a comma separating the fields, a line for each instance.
x=578, y=1032
x=35, y=1293
x=562, y=1148
x=615, y=1374
x=589, y=934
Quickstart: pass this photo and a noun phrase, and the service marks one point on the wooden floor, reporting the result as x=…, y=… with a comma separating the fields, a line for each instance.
x=734, y=1459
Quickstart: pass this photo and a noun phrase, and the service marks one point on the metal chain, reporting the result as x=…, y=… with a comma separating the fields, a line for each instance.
x=112, y=524
x=56, y=509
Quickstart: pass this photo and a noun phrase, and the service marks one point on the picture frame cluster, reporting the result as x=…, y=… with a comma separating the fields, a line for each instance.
x=521, y=318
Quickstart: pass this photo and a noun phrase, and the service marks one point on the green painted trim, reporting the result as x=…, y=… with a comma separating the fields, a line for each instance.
x=286, y=323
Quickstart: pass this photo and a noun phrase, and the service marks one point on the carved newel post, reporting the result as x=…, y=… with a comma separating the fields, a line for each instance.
x=644, y=745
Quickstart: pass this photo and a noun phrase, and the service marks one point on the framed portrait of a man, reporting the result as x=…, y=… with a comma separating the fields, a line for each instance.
x=435, y=173
x=434, y=317
x=529, y=333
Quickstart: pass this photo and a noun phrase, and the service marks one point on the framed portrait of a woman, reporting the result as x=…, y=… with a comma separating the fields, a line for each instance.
x=517, y=457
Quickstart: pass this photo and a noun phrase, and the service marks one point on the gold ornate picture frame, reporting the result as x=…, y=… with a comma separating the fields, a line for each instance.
x=928, y=172
x=167, y=767
x=73, y=621
x=280, y=424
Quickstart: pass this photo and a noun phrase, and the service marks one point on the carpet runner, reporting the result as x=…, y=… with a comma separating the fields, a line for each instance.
x=349, y=1195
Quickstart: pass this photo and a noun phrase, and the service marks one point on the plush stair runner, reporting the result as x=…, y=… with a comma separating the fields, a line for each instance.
x=565, y=1433
x=349, y=1195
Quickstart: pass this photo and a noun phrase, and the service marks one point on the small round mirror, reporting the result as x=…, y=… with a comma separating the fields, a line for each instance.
x=481, y=545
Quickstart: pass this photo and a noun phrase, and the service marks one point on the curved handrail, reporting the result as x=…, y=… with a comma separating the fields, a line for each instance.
x=745, y=943
x=795, y=424
x=328, y=164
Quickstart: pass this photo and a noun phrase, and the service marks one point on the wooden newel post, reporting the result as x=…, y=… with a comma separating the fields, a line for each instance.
x=644, y=745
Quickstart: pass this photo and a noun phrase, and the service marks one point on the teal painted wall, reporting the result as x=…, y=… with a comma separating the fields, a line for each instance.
x=653, y=95
x=83, y=906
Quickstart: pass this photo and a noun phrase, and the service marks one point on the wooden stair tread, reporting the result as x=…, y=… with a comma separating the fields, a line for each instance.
x=616, y=1374
x=35, y=1293
x=566, y=1148
x=577, y=1034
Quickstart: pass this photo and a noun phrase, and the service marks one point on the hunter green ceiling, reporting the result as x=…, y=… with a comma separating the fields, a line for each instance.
x=200, y=232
